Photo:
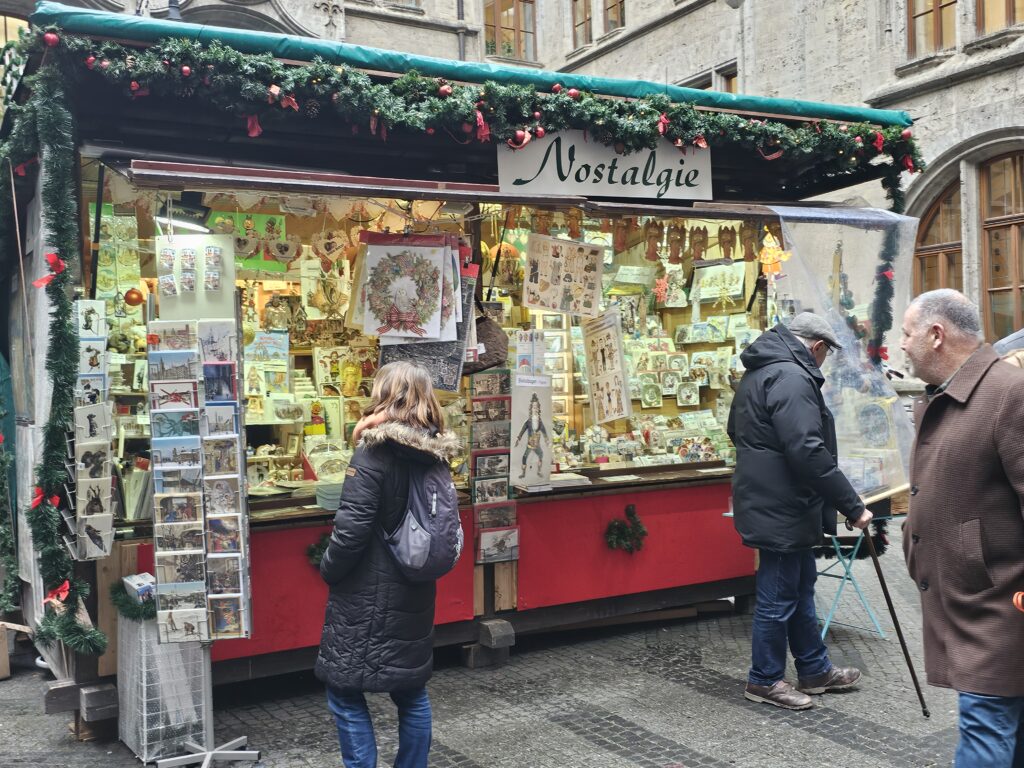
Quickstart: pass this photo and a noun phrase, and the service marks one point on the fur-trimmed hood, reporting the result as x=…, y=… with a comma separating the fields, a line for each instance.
x=442, y=446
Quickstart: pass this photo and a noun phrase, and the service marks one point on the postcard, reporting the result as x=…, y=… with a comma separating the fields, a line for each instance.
x=221, y=382
x=221, y=495
x=218, y=340
x=497, y=545
x=177, y=507
x=164, y=395
x=177, y=480
x=171, y=335
x=501, y=515
x=175, y=595
x=220, y=455
x=220, y=420
x=182, y=625
x=176, y=452
x=226, y=615
x=179, y=567
x=224, y=534
x=178, y=537
x=224, y=574
x=183, y=423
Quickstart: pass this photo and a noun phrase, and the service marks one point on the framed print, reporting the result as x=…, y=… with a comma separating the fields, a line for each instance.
x=497, y=382
x=496, y=545
x=491, y=408
x=294, y=444
x=650, y=395
x=670, y=382
x=559, y=385
x=560, y=406
x=490, y=463
x=491, y=434
x=488, y=490
x=555, y=363
x=687, y=394
x=553, y=321
x=500, y=515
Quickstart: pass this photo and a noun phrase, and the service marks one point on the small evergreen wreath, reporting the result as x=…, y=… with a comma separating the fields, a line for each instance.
x=422, y=305
x=127, y=607
x=315, y=551
x=628, y=534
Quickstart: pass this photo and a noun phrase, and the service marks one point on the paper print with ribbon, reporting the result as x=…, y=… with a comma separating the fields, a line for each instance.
x=404, y=287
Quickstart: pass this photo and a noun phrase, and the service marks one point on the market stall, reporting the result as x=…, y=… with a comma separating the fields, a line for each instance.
x=227, y=245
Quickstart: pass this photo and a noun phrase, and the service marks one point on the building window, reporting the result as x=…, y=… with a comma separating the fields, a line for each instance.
x=932, y=25
x=1002, y=185
x=614, y=14
x=582, y=31
x=994, y=15
x=11, y=26
x=510, y=29
x=938, y=257
x=728, y=81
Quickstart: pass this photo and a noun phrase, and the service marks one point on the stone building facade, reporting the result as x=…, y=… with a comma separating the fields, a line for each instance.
x=956, y=65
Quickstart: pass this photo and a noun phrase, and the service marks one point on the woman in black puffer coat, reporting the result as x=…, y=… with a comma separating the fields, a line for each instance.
x=379, y=626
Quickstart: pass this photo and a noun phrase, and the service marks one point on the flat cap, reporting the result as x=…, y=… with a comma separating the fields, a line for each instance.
x=811, y=326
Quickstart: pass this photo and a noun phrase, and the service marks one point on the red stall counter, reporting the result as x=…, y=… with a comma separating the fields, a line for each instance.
x=288, y=595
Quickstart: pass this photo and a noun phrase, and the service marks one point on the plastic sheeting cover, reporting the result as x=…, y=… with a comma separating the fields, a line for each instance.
x=873, y=427
x=120, y=26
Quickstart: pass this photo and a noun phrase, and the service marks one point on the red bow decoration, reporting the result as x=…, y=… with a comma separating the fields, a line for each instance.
x=401, y=321
x=908, y=163
x=526, y=140
x=663, y=124
x=701, y=142
x=252, y=125
x=273, y=93
x=289, y=101
x=880, y=353
x=57, y=266
x=888, y=274
x=483, y=131
x=879, y=141
x=40, y=498
x=21, y=168
x=58, y=594
x=1, y=439
x=773, y=156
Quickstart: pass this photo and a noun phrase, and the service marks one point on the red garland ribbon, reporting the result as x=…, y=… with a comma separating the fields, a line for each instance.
x=252, y=126
x=483, y=131
x=526, y=140
x=881, y=353
x=273, y=93
x=21, y=168
x=289, y=101
x=40, y=497
x=879, y=141
x=58, y=594
x=773, y=156
x=887, y=274
x=663, y=124
x=57, y=266
x=701, y=142
x=401, y=321
x=908, y=163
x=1, y=439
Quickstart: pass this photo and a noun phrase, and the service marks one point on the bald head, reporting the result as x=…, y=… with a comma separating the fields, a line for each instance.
x=941, y=329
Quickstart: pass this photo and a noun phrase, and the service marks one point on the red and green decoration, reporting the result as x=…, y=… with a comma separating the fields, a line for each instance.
x=262, y=91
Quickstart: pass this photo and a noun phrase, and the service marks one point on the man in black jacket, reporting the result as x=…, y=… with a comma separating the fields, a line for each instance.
x=786, y=490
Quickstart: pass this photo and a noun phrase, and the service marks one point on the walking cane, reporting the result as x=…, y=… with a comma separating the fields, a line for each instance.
x=895, y=621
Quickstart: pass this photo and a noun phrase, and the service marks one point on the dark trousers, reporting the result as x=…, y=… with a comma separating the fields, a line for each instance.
x=785, y=614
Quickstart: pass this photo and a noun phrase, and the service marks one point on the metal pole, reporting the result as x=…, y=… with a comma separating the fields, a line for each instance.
x=896, y=623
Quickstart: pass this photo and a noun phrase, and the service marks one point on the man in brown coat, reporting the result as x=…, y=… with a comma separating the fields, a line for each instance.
x=964, y=538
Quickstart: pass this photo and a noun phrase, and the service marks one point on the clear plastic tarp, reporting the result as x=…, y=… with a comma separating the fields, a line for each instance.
x=837, y=258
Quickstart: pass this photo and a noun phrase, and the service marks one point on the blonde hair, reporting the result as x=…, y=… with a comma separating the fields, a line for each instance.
x=404, y=392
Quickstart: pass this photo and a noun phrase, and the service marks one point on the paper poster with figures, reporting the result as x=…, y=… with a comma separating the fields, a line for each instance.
x=563, y=275
x=403, y=291
x=531, y=434
x=606, y=367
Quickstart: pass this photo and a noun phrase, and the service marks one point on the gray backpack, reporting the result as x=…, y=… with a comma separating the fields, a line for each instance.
x=428, y=542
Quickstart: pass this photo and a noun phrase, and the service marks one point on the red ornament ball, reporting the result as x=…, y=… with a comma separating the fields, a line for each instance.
x=133, y=297
x=167, y=63
x=445, y=90
x=906, y=133
x=104, y=64
x=536, y=115
x=186, y=71
x=467, y=127
x=520, y=136
x=858, y=139
x=843, y=128
x=539, y=131
x=90, y=61
x=51, y=39
x=556, y=88
x=573, y=93
x=133, y=85
x=430, y=131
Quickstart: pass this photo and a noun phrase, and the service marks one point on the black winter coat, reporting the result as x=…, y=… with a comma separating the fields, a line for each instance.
x=379, y=627
x=787, y=486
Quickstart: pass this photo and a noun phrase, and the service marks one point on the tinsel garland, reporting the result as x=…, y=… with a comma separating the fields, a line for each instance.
x=43, y=128
x=881, y=303
x=10, y=590
x=261, y=91
x=127, y=607
x=627, y=535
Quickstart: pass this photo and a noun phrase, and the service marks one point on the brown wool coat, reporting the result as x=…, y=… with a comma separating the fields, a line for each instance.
x=964, y=538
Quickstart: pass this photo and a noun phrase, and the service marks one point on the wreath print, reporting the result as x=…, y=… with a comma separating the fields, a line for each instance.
x=416, y=310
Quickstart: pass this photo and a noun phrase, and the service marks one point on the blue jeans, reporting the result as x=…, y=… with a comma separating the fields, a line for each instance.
x=355, y=729
x=991, y=732
x=785, y=612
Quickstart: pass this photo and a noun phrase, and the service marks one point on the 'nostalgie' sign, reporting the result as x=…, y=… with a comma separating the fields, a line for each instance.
x=567, y=164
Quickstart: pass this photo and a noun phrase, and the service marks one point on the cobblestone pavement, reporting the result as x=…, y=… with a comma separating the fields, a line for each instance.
x=666, y=695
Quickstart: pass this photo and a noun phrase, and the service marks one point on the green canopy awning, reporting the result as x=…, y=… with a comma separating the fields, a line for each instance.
x=83, y=21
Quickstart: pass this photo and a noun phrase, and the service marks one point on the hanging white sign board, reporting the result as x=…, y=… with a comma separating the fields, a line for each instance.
x=566, y=163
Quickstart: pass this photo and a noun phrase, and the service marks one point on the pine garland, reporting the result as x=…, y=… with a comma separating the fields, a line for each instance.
x=627, y=535
x=127, y=607
x=315, y=551
x=43, y=127
x=262, y=92
x=10, y=591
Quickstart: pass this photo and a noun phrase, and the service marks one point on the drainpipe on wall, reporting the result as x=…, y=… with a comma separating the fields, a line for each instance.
x=461, y=10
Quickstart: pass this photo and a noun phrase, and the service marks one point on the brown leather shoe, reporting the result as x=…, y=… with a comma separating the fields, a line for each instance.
x=836, y=679
x=782, y=694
